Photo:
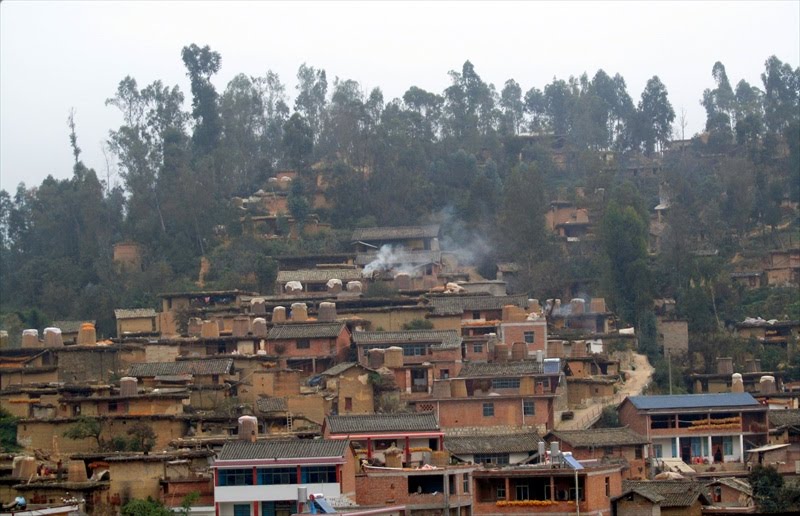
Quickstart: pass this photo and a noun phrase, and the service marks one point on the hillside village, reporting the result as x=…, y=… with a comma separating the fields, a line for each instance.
x=390, y=379
x=466, y=303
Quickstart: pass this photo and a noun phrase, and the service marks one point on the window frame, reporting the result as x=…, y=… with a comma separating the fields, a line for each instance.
x=488, y=409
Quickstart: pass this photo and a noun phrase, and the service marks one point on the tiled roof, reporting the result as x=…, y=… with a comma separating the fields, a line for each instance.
x=283, y=449
x=599, y=437
x=399, y=422
x=133, y=313
x=319, y=275
x=305, y=331
x=779, y=418
x=271, y=404
x=182, y=367
x=339, y=369
x=403, y=256
x=395, y=233
x=453, y=305
x=675, y=493
x=496, y=370
x=500, y=442
x=69, y=326
x=738, y=484
x=692, y=401
x=446, y=339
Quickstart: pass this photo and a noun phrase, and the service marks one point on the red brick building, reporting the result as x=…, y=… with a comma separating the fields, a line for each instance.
x=605, y=444
x=310, y=347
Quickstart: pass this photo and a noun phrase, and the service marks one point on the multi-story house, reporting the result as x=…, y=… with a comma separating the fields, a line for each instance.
x=262, y=478
x=699, y=429
x=311, y=347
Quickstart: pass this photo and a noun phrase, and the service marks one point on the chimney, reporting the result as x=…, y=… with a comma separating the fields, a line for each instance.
x=724, y=365
x=30, y=338
x=3, y=339
x=767, y=385
x=248, y=428
x=195, y=327
x=209, y=330
x=260, y=327
x=402, y=281
x=258, y=306
x=334, y=286
x=87, y=335
x=752, y=365
x=327, y=312
x=299, y=312
x=128, y=386
x=577, y=305
x=354, y=287
x=737, y=385
x=279, y=314
x=294, y=287
x=241, y=326
x=52, y=338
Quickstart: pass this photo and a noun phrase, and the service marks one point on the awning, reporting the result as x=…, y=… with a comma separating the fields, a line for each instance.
x=769, y=447
x=677, y=464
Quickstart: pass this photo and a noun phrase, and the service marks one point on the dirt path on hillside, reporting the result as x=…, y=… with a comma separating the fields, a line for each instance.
x=637, y=372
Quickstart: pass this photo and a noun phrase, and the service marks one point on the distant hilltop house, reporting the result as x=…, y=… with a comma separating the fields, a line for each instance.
x=411, y=238
x=567, y=221
x=782, y=268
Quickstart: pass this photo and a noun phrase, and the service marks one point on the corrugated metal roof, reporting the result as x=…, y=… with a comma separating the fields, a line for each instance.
x=497, y=370
x=133, y=313
x=182, y=367
x=444, y=339
x=395, y=233
x=283, y=449
x=599, y=437
x=399, y=422
x=455, y=305
x=305, y=331
x=690, y=401
x=319, y=275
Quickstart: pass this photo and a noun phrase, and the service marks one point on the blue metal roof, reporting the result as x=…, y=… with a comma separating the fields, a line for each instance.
x=691, y=401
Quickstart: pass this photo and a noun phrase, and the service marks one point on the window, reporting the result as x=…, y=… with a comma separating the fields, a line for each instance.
x=113, y=406
x=505, y=383
x=303, y=344
x=727, y=445
x=528, y=408
x=318, y=475
x=277, y=476
x=522, y=491
x=465, y=487
x=608, y=487
x=241, y=509
x=477, y=348
x=491, y=458
x=476, y=315
x=488, y=409
x=658, y=451
x=415, y=350
x=444, y=374
x=637, y=452
x=608, y=450
x=348, y=403
x=451, y=484
x=529, y=336
x=236, y=477
x=501, y=492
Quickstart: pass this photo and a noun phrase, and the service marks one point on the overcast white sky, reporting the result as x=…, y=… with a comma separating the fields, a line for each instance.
x=58, y=55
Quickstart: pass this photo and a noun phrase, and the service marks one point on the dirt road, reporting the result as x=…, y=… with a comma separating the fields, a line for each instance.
x=638, y=375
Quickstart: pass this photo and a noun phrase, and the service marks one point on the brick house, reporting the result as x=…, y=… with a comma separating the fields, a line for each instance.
x=782, y=268
x=316, y=280
x=495, y=445
x=426, y=355
x=138, y=321
x=665, y=497
x=371, y=434
x=262, y=478
x=205, y=372
x=350, y=387
x=428, y=491
x=547, y=488
x=604, y=444
x=310, y=347
x=566, y=220
x=478, y=314
x=777, y=333
x=518, y=393
x=697, y=428
x=412, y=238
